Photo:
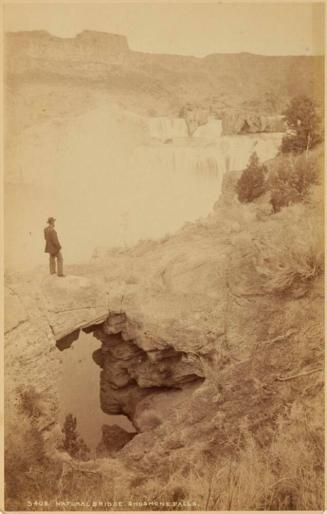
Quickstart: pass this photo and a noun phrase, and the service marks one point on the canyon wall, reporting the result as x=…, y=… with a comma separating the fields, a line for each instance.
x=87, y=45
x=162, y=85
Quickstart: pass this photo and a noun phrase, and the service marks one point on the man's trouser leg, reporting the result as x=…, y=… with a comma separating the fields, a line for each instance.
x=52, y=263
x=60, y=263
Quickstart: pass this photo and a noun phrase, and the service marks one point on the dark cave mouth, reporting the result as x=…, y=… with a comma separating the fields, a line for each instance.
x=128, y=376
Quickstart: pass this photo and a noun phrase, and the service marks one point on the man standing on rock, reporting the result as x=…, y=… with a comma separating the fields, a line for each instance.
x=53, y=248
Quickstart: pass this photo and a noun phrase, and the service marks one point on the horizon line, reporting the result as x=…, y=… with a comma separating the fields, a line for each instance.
x=72, y=38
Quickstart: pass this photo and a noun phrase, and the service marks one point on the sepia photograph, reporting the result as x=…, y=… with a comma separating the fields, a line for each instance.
x=163, y=265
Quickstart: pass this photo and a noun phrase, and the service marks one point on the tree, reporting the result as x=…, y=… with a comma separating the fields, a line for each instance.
x=304, y=126
x=73, y=443
x=251, y=184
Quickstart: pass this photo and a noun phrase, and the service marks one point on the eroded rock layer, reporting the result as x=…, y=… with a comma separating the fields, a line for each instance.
x=129, y=373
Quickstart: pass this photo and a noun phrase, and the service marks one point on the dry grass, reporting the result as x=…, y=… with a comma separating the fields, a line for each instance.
x=288, y=251
x=287, y=475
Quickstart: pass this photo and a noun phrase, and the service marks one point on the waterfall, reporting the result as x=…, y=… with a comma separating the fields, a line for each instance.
x=164, y=129
x=166, y=159
x=212, y=130
x=179, y=182
x=228, y=153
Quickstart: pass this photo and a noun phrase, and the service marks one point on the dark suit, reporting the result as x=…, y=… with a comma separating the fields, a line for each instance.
x=53, y=247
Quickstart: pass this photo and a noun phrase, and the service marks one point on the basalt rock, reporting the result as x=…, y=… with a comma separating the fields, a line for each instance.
x=129, y=373
x=114, y=438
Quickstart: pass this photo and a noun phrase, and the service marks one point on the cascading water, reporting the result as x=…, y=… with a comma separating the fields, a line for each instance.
x=213, y=129
x=164, y=129
x=181, y=180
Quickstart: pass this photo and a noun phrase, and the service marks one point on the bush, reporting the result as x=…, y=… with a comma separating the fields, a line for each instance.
x=304, y=125
x=292, y=179
x=73, y=444
x=29, y=473
x=289, y=259
x=251, y=184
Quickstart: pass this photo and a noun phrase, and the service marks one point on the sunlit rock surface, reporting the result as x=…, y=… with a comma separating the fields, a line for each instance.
x=71, y=302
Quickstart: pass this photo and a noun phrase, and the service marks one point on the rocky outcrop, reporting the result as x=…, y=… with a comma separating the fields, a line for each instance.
x=247, y=122
x=207, y=121
x=129, y=373
x=114, y=438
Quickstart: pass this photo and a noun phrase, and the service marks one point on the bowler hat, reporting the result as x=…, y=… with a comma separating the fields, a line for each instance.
x=51, y=219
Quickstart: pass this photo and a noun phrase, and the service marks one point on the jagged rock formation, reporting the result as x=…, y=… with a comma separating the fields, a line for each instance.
x=130, y=373
x=114, y=438
x=247, y=122
x=233, y=121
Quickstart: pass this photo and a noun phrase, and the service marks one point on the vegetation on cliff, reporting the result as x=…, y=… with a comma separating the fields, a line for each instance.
x=251, y=184
x=73, y=444
x=30, y=473
x=291, y=176
x=304, y=124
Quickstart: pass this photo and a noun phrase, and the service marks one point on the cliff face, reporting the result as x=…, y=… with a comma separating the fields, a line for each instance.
x=87, y=45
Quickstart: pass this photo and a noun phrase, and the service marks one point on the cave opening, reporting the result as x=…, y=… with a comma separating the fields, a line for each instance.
x=79, y=391
x=112, y=389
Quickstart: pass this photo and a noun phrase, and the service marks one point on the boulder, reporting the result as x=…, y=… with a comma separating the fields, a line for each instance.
x=114, y=438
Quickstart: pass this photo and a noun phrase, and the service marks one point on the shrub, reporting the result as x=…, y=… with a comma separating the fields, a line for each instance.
x=289, y=259
x=29, y=402
x=292, y=180
x=304, y=125
x=251, y=184
x=29, y=473
x=73, y=443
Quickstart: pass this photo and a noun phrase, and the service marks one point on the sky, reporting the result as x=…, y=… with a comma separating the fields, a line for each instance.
x=186, y=28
